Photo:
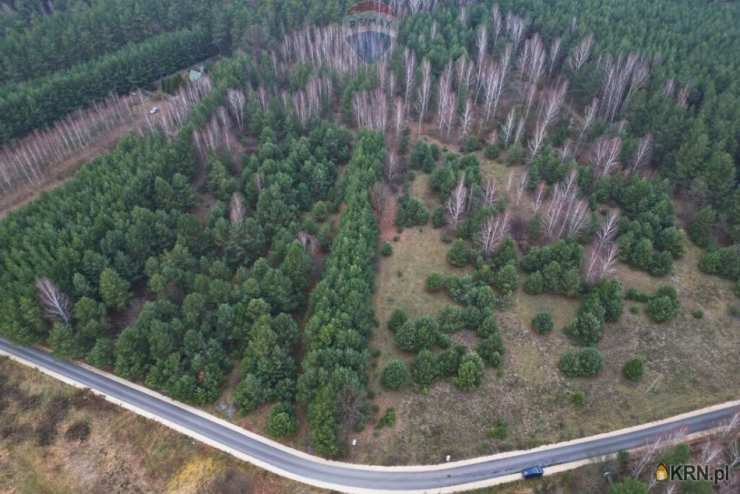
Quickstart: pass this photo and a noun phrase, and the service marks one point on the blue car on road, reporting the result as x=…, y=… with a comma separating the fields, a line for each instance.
x=533, y=472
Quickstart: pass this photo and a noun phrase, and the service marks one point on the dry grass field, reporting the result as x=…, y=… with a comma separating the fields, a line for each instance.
x=689, y=362
x=55, y=439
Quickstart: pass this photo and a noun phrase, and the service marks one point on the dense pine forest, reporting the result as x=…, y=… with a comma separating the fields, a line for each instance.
x=239, y=234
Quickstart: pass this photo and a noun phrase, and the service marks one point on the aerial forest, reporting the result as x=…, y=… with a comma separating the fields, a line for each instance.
x=235, y=236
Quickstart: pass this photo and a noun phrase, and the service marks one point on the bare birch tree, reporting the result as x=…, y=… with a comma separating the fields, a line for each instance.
x=409, y=58
x=492, y=233
x=424, y=90
x=643, y=153
x=457, y=202
x=54, y=302
x=236, y=208
x=580, y=54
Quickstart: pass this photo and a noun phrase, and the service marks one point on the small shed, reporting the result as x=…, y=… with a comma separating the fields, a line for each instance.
x=196, y=73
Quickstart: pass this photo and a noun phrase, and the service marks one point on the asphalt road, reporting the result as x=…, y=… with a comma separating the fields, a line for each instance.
x=377, y=478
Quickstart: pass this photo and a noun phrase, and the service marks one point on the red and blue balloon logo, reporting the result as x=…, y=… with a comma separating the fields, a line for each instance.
x=370, y=27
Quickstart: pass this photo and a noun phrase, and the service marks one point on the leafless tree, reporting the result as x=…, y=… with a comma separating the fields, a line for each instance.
x=464, y=71
x=604, y=252
x=495, y=79
x=54, y=302
x=654, y=448
x=28, y=160
x=519, y=130
x=623, y=76
x=516, y=27
x=509, y=126
x=605, y=155
x=309, y=242
x=409, y=58
x=458, y=202
x=532, y=60
x=554, y=54
x=682, y=97
x=307, y=102
x=392, y=166
x=446, y=101
x=489, y=192
x=566, y=152
x=236, y=209
x=482, y=41
x=371, y=109
x=466, y=120
x=566, y=214
x=521, y=187
x=580, y=54
x=528, y=102
x=589, y=117
x=669, y=88
x=237, y=101
x=399, y=116
x=424, y=90
x=497, y=22
x=539, y=196
x=642, y=153
x=493, y=231
x=509, y=182
x=549, y=112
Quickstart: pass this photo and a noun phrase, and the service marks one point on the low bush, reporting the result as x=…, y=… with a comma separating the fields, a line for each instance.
x=662, y=309
x=395, y=375
x=633, y=369
x=585, y=363
x=436, y=282
x=459, y=254
x=388, y=419
x=398, y=317
x=542, y=323
x=411, y=212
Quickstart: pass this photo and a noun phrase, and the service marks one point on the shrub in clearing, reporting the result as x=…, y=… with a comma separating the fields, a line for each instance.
x=411, y=212
x=633, y=369
x=542, y=323
x=585, y=363
x=424, y=368
x=386, y=250
x=439, y=218
x=587, y=329
x=662, y=309
x=417, y=335
x=388, y=419
x=491, y=350
x=489, y=327
x=397, y=319
x=470, y=372
x=459, y=254
x=436, y=282
x=395, y=375
x=534, y=284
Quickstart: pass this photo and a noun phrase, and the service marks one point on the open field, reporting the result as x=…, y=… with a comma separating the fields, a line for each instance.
x=55, y=439
x=689, y=363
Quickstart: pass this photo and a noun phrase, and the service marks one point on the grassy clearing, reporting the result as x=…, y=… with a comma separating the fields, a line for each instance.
x=123, y=453
x=689, y=363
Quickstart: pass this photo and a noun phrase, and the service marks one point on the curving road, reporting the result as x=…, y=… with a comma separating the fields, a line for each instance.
x=343, y=476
